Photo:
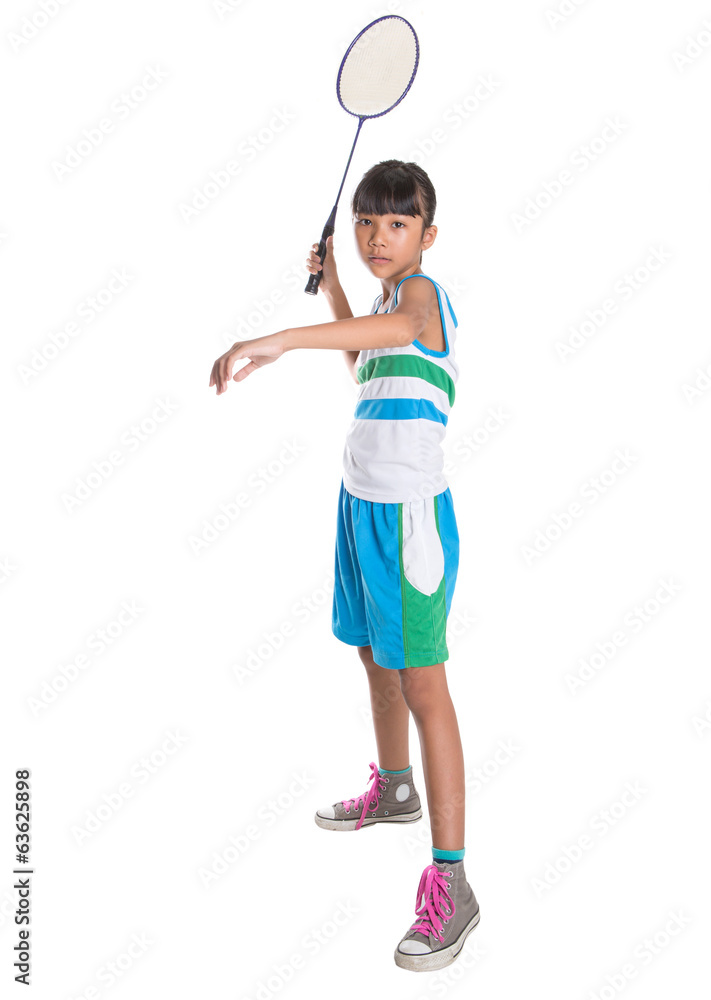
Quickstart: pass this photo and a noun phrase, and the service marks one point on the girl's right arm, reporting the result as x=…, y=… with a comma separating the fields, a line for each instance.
x=335, y=296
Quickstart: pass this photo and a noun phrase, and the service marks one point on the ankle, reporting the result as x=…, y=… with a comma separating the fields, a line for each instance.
x=449, y=857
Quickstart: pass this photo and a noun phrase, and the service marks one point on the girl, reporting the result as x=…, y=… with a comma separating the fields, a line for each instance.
x=397, y=545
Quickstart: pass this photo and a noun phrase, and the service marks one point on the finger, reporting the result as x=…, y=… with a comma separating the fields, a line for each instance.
x=225, y=368
x=244, y=372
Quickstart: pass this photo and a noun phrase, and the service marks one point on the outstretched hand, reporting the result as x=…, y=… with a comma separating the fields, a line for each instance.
x=261, y=351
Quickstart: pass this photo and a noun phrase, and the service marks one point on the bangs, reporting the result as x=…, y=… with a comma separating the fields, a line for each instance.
x=383, y=195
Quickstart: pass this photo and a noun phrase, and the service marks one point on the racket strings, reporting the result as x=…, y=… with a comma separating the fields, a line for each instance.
x=379, y=68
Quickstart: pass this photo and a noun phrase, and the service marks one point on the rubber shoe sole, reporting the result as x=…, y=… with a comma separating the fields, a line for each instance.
x=436, y=959
x=350, y=824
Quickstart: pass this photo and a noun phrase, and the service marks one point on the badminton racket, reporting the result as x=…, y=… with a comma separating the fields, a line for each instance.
x=375, y=74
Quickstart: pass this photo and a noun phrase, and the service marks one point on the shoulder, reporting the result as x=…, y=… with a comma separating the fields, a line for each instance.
x=420, y=282
x=417, y=296
x=417, y=293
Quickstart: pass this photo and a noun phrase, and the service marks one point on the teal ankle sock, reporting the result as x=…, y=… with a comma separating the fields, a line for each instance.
x=451, y=857
x=385, y=771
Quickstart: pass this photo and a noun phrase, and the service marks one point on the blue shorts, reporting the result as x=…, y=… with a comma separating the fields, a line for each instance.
x=395, y=571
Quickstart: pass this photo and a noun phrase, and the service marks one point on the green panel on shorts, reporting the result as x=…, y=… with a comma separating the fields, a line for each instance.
x=424, y=616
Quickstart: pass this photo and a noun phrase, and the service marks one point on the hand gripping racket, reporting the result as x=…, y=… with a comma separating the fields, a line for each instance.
x=375, y=74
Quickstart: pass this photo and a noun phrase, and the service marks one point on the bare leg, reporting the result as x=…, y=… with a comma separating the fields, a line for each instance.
x=427, y=695
x=391, y=716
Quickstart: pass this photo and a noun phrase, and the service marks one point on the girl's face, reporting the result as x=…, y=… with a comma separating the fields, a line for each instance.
x=391, y=244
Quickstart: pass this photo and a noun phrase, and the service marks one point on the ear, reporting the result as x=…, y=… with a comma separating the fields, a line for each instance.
x=428, y=237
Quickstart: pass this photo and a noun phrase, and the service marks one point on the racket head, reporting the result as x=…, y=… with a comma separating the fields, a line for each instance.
x=378, y=68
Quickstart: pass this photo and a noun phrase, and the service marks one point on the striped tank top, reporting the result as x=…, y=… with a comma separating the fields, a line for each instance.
x=393, y=450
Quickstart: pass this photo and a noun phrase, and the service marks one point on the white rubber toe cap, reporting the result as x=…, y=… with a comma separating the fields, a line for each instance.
x=328, y=812
x=412, y=947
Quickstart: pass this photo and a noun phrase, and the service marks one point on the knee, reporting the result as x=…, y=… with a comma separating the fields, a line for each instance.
x=411, y=693
x=384, y=682
x=420, y=689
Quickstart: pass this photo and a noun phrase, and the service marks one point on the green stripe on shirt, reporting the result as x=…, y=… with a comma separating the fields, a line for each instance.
x=407, y=365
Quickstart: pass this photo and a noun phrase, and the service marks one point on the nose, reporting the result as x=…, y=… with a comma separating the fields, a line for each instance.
x=377, y=239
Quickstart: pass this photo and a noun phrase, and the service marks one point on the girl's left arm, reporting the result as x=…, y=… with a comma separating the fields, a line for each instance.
x=359, y=333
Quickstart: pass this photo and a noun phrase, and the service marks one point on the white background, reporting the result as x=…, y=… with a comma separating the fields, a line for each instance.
x=253, y=724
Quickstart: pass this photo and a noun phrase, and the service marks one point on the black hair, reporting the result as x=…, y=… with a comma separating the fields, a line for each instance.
x=397, y=188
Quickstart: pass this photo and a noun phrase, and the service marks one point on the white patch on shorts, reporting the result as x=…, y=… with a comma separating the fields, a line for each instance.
x=422, y=553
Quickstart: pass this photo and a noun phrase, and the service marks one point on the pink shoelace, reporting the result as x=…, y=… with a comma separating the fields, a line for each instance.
x=436, y=903
x=369, y=798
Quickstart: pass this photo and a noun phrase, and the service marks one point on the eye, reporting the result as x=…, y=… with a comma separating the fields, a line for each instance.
x=363, y=220
x=398, y=223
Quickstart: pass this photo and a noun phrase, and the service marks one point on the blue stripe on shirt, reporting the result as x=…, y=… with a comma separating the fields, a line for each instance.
x=399, y=409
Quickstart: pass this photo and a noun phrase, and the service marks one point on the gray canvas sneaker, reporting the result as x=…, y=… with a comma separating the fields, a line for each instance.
x=447, y=911
x=391, y=798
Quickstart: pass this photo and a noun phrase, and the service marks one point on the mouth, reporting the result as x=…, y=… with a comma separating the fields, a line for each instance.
x=379, y=260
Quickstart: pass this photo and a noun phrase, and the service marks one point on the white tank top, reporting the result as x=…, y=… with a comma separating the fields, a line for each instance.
x=393, y=450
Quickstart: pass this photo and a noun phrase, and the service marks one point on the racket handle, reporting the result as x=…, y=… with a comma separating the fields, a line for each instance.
x=314, y=279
